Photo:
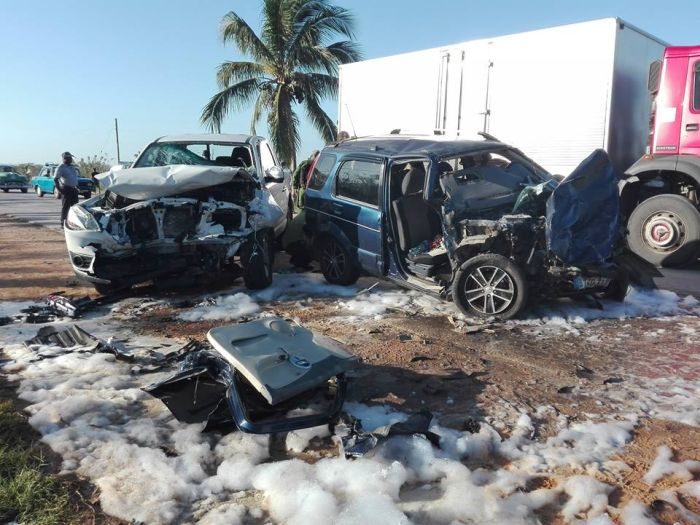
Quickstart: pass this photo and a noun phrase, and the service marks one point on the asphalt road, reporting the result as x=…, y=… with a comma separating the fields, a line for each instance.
x=46, y=211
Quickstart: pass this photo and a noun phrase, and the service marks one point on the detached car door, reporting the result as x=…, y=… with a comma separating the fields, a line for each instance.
x=355, y=209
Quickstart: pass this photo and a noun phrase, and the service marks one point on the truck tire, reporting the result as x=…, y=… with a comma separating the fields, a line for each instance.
x=665, y=230
x=24, y=190
x=337, y=263
x=490, y=286
x=87, y=195
x=257, y=258
x=39, y=191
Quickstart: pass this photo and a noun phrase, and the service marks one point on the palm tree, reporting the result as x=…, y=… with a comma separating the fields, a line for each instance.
x=293, y=64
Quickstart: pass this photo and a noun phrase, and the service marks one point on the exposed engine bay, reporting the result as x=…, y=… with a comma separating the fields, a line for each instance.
x=162, y=220
x=562, y=236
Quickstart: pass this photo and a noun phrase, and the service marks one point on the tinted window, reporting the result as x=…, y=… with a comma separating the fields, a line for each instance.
x=359, y=180
x=696, y=83
x=321, y=170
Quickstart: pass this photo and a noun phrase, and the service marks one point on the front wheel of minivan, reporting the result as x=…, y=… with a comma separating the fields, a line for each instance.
x=490, y=286
x=337, y=263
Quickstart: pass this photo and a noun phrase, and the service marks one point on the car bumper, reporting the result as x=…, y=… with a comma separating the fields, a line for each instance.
x=14, y=186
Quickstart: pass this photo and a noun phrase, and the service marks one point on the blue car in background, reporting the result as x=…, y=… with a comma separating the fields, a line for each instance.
x=464, y=220
x=43, y=183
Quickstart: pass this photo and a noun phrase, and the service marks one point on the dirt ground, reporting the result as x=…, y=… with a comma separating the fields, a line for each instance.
x=34, y=262
x=414, y=362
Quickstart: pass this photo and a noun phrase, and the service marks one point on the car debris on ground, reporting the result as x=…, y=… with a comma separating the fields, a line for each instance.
x=256, y=374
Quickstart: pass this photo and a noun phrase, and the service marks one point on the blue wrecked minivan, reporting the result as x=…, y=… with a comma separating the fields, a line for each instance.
x=475, y=222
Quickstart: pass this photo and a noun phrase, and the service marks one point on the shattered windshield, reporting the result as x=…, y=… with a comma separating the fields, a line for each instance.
x=197, y=154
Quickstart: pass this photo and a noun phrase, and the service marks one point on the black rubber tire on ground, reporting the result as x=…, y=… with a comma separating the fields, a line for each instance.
x=337, y=264
x=39, y=191
x=24, y=190
x=257, y=259
x=501, y=282
x=87, y=195
x=6, y=190
x=665, y=210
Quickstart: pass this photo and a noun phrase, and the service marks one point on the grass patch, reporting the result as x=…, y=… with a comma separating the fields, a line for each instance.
x=29, y=493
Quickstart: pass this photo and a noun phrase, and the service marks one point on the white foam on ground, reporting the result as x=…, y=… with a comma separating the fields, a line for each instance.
x=663, y=467
x=152, y=469
x=226, y=307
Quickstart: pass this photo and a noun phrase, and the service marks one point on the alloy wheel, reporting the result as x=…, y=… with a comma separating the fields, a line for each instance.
x=489, y=290
x=333, y=260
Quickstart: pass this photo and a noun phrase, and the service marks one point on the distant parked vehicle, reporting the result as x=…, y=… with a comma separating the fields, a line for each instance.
x=13, y=181
x=43, y=183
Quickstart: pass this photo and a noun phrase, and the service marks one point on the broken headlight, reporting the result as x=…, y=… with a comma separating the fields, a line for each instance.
x=79, y=219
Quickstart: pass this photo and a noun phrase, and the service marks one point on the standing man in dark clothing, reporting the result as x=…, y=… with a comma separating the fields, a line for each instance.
x=66, y=180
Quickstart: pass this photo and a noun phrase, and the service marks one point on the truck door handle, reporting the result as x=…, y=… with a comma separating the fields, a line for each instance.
x=337, y=208
x=692, y=127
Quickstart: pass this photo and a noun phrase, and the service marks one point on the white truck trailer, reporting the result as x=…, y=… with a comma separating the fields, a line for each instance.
x=556, y=93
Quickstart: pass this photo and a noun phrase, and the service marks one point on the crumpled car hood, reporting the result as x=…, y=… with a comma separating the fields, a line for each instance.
x=164, y=181
x=583, y=213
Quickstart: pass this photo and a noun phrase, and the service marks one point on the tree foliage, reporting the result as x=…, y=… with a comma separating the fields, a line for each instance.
x=294, y=62
x=96, y=162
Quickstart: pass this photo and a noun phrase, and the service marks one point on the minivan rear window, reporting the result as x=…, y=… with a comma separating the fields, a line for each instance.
x=358, y=180
x=322, y=169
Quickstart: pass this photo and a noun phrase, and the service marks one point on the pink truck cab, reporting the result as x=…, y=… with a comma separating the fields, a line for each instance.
x=661, y=191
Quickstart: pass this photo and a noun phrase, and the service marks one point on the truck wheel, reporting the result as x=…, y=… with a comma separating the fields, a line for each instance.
x=665, y=230
x=257, y=258
x=87, y=195
x=490, y=285
x=6, y=190
x=24, y=190
x=337, y=264
x=39, y=191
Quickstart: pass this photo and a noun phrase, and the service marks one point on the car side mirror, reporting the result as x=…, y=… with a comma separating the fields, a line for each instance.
x=274, y=174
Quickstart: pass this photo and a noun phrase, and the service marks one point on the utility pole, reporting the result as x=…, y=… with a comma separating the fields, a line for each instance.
x=116, y=130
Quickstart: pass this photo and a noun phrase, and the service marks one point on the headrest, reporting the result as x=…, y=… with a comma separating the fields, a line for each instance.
x=413, y=181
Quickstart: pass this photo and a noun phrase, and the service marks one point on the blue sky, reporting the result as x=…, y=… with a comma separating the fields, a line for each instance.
x=70, y=67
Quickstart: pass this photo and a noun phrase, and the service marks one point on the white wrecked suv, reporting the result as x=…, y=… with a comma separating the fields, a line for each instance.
x=190, y=205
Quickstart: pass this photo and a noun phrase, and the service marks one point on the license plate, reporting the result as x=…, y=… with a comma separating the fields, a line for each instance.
x=583, y=283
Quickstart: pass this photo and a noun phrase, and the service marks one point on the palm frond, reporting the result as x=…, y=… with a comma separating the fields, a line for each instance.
x=274, y=29
x=284, y=126
x=236, y=97
x=235, y=29
x=318, y=84
x=234, y=72
x=316, y=21
x=263, y=103
x=320, y=119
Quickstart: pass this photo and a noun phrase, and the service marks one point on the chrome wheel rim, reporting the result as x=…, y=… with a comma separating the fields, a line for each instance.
x=489, y=290
x=663, y=231
x=333, y=260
